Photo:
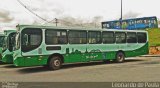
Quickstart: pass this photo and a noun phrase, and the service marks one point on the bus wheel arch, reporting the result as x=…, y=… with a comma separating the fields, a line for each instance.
x=120, y=56
x=55, y=61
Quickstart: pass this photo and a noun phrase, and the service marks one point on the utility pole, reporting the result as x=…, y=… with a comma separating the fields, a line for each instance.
x=56, y=21
x=121, y=14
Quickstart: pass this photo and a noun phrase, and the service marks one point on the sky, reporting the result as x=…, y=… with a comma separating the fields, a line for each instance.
x=12, y=13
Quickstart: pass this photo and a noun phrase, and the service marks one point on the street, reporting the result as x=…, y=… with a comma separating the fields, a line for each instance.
x=135, y=69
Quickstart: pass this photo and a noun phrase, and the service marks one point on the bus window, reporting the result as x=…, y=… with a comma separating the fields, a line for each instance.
x=145, y=21
x=155, y=22
x=11, y=41
x=142, y=37
x=117, y=23
x=31, y=39
x=120, y=37
x=152, y=21
x=112, y=25
x=94, y=37
x=131, y=37
x=1, y=40
x=108, y=37
x=55, y=37
x=130, y=22
x=77, y=37
x=104, y=25
x=108, y=25
x=139, y=21
x=124, y=24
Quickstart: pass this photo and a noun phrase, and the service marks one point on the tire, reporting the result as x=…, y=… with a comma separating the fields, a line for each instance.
x=55, y=63
x=120, y=57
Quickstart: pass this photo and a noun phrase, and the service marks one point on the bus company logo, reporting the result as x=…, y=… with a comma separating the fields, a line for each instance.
x=9, y=85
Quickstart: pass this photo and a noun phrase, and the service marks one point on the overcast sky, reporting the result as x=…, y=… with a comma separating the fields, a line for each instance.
x=11, y=12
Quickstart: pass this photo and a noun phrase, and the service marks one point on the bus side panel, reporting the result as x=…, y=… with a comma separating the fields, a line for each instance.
x=36, y=60
x=141, y=51
x=19, y=61
x=75, y=53
x=110, y=55
x=8, y=58
x=31, y=61
x=72, y=58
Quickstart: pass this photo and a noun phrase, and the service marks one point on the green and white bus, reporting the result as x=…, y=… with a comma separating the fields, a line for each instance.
x=1, y=43
x=55, y=46
x=9, y=43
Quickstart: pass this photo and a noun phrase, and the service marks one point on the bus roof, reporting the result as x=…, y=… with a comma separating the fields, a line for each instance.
x=6, y=32
x=130, y=19
x=75, y=28
x=1, y=34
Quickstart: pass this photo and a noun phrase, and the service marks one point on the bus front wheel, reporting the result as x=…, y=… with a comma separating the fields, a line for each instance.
x=120, y=57
x=55, y=63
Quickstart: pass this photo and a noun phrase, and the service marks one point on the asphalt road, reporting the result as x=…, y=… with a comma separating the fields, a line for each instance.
x=135, y=69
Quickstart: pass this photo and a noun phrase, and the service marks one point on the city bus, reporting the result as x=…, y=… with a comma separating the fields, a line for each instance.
x=9, y=43
x=1, y=43
x=56, y=46
x=132, y=24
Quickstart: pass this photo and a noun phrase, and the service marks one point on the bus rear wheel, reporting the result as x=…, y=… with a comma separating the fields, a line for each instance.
x=55, y=63
x=120, y=57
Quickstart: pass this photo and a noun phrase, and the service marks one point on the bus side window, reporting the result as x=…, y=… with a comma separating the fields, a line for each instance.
x=120, y=37
x=107, y=25
x=131, y=37
x=77, y=37
x=142, y=37
x=94, y=37
x=108, y=37
x=55, y=37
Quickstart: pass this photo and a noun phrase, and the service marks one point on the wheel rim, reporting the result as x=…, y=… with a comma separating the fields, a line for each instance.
x=120, y=57
x=57, y=63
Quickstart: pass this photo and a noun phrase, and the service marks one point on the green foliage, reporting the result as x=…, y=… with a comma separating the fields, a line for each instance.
x=154, y=37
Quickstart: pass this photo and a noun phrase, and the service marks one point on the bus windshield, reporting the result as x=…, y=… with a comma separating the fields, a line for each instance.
x=1, y=40
x=4, y=44
x=12, y=41
x=17, y=38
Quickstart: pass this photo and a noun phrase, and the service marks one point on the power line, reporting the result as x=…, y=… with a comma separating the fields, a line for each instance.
x=33, y=12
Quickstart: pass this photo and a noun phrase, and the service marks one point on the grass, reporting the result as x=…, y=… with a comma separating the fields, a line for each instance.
x=154, y=37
